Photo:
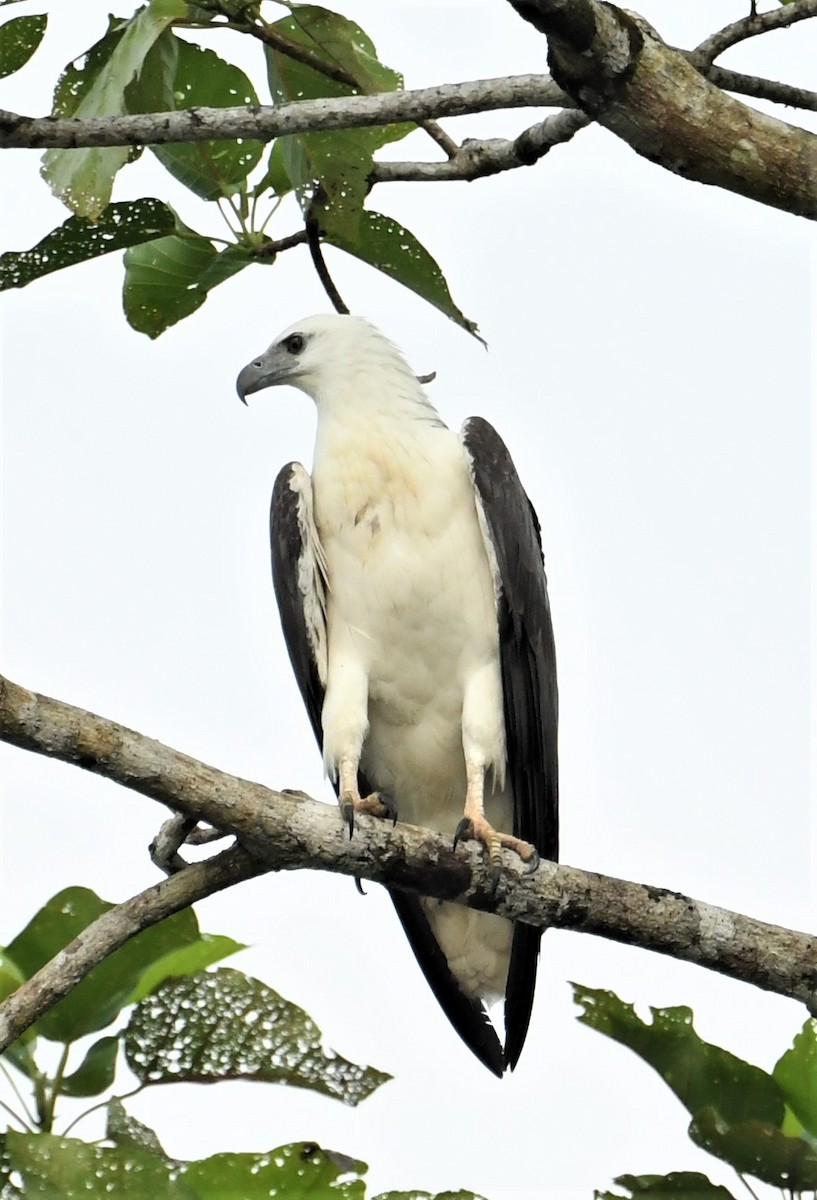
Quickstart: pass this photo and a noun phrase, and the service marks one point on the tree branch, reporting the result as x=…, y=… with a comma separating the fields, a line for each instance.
x=290, y=832
x=263, y=123
x=475, y=159
x=275, y=40
x=114, y=928
x=272, y=247
x=748, y=27
x=618, y=70
x=762, y=89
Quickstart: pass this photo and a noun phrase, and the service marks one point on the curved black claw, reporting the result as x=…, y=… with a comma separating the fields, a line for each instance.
x=390, y=805
x=533, y=862
x=496, y=875
x=347, y=811
x=464, y=830
x=359, y=886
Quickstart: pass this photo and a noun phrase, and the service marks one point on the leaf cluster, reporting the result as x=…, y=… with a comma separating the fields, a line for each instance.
x=761, y=1124
x=179, y=1019
x=150, y=63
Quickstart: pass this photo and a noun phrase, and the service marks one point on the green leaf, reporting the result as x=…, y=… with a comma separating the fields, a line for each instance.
x=19, y=1053
x=187, y=960
x=152, y=89
x=330, y=171
x=54, y=1168
x=428, y=1196
x=96, y=1072
x=210, y=169
x=83, y=179
x=10, y=974
x=700, y=1074
x=168, y=279
x=796, y=1075
x=225, y=1025
x=759, y=1149
x=275, y=178
x=302, y=1171
x=678, y=1185
x=78, y=240
x=99, y=998
x=338, y=43
x=19, y=38
x=8, y=1191
x=125, y=1130
x=387, y=245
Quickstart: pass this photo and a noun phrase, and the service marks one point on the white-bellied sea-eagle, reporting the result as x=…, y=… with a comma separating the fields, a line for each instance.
x=409, y=577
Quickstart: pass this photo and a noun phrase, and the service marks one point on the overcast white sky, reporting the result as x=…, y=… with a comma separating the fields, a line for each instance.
x=649, y=367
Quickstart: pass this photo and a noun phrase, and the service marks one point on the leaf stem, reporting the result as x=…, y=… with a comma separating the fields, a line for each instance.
x=102, y=1104
x=11, y=1082
x=16, y=1116
x=53, y=1091
x=747, y=1185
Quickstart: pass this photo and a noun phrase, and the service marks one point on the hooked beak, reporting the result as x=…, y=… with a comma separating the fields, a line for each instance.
x=270, y=368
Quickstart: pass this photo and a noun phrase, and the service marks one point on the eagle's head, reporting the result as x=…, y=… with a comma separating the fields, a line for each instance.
x=317, y=353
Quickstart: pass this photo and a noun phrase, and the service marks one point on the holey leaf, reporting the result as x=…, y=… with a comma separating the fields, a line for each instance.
x=678, y=1185
x=387, y=245
x=19, y=38
x=225, y=1025
x=202, y=79
x=299, y=1171
x=77, y=240
x=329, y=171
x=759, y=1149
x=59, y=1168
x=83, y=179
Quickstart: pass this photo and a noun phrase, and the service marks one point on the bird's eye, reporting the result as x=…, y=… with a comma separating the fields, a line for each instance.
x=295, y=343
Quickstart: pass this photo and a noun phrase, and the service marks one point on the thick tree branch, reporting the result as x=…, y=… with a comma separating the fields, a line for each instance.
x=263, y=123
x=288, y=832
x=114, y=928
x=618, y=70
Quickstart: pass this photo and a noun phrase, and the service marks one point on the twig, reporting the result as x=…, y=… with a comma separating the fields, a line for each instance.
x=271, y=248
x=756, y=23
x=446, y=143
x=289, y=832
x=302, y=54
x=113, y=929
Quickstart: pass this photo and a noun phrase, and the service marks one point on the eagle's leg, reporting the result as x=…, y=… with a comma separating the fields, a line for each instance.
x=376, y=804
x=474, y=824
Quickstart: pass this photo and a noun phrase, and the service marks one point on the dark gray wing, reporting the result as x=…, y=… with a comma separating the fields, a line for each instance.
x=528, y=664
x=299, y=578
